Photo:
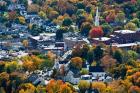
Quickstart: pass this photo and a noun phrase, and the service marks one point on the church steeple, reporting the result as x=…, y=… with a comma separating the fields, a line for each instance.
x=97, y=17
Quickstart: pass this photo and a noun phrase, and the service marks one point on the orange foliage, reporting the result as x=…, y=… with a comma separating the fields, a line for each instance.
x=77, y=62
x=58, y=87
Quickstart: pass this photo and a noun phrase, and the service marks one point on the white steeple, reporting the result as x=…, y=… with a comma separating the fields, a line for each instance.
x=97, y=17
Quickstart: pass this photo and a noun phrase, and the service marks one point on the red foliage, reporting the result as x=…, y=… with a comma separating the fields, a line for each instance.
x=12, y=15
x=96, y=32
x=133, y=1
x=111, y=16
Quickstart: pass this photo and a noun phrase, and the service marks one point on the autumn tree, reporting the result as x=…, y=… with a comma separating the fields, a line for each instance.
x=12, y=15
x=12, y=66
x=25, y=43
x=83, y=85
x=100, y=86
x=96, y=32
x=21, y=20
x=130, y=26
x=33, y=8
x=134, y=89
x=111, y=16
x=58, y=86
x=42, y=14
x=4, y=78
x=108, y=62
x=26, y=88
x=120, y=18
x=76, y=63
x=53, y=14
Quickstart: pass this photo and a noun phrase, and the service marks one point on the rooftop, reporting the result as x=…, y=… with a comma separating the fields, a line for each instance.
x=102, y=39
x=126, y=45
x=125, y=31
x=96, y=69
x=43, y=36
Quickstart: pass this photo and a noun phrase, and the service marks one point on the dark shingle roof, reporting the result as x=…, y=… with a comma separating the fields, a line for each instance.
x=96, y=69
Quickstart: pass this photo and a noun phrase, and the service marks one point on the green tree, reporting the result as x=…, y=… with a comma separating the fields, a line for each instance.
x=107, y=29
x=67, y=22
x=136, y=21
x=84, y=71
x=98, y=53
x=118, y=56
x=132, y=54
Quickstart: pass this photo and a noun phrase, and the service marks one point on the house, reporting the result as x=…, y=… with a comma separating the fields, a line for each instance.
x=119, y=37
x=44, y=39
x=72, y=41
x=87, y=78
x=70, y=78
x=96, y=71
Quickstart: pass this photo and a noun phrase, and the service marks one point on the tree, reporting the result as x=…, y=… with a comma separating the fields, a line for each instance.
x=42, y=14
x=84, y=71
x=32, y=63
x=107, y=29
x=83, y=86
x=76, y=63
x=12, y=15
x=11, y=66
x=80, y=5
x=53, y=14
x=136, y=21
x=25, y=43
x=26, y=88
x=138, y=14
x=21, y=20
x=33, y=8
x=111, y=16
x=98, y=53
x=96, y=32
x=120, y=18
x=130, y=26
x=118, y=56
x=108, y=62
x=132, y=54
x=77, y=51
x=47, y=63
x=100, y=86
x=36, y=30
x=134, y=89
x=85, y=28
x=50, y=55
x=67, y=22
x=136, y=79
x=58, y=86
x=2, y=67
x=4, y=78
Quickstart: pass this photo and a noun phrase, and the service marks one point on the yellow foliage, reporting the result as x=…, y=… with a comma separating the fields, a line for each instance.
x=99, y=85
x=25, y=43
x=21, y=19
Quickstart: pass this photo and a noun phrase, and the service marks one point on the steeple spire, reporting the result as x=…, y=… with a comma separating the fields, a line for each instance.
x=97, y=17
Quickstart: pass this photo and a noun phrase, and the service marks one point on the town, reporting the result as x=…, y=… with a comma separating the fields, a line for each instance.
x=69, y=46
